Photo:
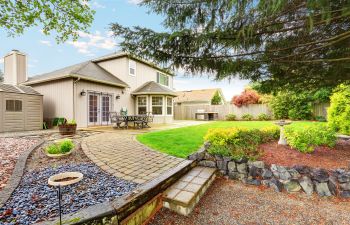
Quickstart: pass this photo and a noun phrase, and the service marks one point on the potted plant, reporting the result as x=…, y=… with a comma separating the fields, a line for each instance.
x=60, y=149
x=68, y=128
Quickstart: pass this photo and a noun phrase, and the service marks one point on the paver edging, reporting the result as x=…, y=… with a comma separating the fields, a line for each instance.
x=17, y=174
x=116, y=211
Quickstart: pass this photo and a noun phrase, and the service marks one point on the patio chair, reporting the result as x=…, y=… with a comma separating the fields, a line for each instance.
x=116, y=119
x=148, y=119
x=139, y=123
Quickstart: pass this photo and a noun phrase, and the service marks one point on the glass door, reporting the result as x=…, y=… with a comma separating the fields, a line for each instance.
x=105, y=108
x=93, y=109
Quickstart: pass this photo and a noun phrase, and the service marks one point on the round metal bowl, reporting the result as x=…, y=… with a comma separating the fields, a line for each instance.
x=54, y=180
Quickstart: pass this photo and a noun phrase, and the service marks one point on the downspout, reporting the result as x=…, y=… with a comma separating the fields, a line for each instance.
x=75, y=96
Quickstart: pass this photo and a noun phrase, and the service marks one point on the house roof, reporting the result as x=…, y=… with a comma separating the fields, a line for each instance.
x=125, y=54
x=18, y=89
x=204, y=95
x=153, y=87
x=87, y=71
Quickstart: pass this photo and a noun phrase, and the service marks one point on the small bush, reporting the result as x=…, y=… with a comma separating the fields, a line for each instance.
x=339, y=110
x=263, y=116
x=66, y=145
x=72, y=122
x=231, y=117
x=247, y=116
x=239, y=142
x=306, y=139
x=53, y=149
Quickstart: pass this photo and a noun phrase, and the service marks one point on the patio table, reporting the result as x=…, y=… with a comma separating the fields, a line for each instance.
x=130, y=118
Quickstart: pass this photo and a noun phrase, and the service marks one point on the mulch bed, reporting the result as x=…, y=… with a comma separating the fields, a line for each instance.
x=322, y=157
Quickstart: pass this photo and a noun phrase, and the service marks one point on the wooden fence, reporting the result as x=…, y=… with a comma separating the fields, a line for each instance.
x=184, y=112
x=187, y=112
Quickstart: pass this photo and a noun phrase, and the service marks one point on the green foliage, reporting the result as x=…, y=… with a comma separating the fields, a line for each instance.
x=306, y=139
x=263, y=116
x=320, y=118
x=231, y=117
x=322, y=95
x=63, y=18
x=339, y=110
x=62, y=147
x=239, y=142
x=72, y=122
x=295, y=106
x=53, y=149
x=216, y=100
x=254, y=40
x=247, y=117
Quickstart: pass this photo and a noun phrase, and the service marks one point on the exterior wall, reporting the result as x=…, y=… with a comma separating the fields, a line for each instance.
x=9, y=70
x=58, y=98
x=15, y=68
x=81, y=102
x=30, y=118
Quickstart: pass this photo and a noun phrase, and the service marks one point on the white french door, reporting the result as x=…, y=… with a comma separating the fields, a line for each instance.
x=99, y=106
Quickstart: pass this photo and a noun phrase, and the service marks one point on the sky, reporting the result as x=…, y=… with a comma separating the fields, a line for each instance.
x=99, y=42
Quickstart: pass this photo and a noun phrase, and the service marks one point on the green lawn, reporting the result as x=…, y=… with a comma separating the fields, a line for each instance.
x=181, y=142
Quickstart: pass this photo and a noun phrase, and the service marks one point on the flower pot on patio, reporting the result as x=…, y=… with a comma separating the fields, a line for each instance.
x=67, y=129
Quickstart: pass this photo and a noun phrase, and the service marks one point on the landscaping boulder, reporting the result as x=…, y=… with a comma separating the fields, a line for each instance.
x=280, y=172
x=234, y=175
x=292, y=186
x=276, y=185
x=344, y=194
x=322, y=189
x=253, y=182
x=206, y=145
x=294, y=174
x=207, y=163
x=266, y=174
x=242, y=168
x=344, y=186
x=255, y=172
x=209, y=157
x=332, y=185
x=344, y=177
x=307, y=185
x=231, y=166
x=320, y=175
x=302, y=169
x=257, y=164
x=197, y=156
x=241, y=160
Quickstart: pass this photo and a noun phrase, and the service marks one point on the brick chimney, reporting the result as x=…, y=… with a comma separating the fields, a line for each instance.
x=15, y=67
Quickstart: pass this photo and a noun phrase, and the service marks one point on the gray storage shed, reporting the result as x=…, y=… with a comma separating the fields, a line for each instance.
x=21, y=108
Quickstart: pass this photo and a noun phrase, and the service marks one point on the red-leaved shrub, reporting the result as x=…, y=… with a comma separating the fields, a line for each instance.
x=248, y=96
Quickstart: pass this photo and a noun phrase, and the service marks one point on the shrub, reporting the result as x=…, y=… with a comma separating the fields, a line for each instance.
x=339, y=110
x=231, y=117
x=216, y=100
x=248, y=96
x=66, y=145
x=247, y=116
x=52, y=149
x=72, y=122
x=263, y=116
x=320, y=118
x=239, y=142
x=307, y=138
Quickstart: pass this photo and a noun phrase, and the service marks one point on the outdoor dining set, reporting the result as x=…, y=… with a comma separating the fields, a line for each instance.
x=123, y=121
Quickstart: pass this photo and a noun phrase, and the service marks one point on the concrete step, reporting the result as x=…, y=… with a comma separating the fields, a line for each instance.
x=183, y=196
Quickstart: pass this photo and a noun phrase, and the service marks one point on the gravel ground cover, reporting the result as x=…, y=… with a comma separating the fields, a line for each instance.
x=231, y=202
x=323, y=157
x=10, y=150
x=34, y=200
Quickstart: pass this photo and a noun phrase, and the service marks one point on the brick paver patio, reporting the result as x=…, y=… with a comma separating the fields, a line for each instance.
x=120, y=154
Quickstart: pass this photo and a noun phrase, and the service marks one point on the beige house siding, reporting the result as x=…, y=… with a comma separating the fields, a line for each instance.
x=21, y=68
x=9, y=69
x=30, y=118
x=81, y=113
x=58, y=98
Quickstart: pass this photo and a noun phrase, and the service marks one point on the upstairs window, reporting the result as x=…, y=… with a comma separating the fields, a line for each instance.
x=132, y=67
x=14, y=105
x=162, y=79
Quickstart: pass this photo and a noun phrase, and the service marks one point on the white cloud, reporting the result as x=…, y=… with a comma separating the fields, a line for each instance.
x=92, y=42
x=97, y=5
x=47, y=43
x=134, y=2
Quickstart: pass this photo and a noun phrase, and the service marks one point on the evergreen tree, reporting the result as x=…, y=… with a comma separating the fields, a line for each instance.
x=216, y=100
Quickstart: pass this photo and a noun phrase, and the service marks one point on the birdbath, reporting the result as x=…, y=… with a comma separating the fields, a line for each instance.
x=64, y=179
x=282, y=123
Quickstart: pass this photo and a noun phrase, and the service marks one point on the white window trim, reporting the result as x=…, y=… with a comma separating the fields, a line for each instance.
x=130, y=61
x=159, y=72
x=172, y=106
x=137, y=103
x=151, y=103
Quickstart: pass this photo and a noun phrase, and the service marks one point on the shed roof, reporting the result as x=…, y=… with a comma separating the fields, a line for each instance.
x=87, y=71
x=204, y=95
x=19, y=89
x=153, y=87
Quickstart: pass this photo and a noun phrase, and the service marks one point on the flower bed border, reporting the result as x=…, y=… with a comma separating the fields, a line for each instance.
x=17, y=174
x=290, y=179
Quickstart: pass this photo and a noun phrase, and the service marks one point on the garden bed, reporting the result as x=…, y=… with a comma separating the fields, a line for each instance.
x=322, y=157
x=34, y=200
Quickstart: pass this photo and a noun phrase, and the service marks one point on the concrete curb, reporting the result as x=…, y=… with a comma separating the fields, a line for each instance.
x=17, y=174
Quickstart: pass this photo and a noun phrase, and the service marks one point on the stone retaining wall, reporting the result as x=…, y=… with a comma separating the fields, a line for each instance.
x=294, y=179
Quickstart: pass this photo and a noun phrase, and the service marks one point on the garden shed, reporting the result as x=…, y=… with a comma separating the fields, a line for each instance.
x=21, y=108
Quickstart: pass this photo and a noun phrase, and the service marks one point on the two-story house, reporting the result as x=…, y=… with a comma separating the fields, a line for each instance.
x=87, y=91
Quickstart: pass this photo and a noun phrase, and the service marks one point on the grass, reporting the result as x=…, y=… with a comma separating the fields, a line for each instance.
x=181, y=142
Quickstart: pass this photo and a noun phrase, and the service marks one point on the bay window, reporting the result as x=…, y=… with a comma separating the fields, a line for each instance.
x=157, y=105
x=169, y=105
x=141, y=105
